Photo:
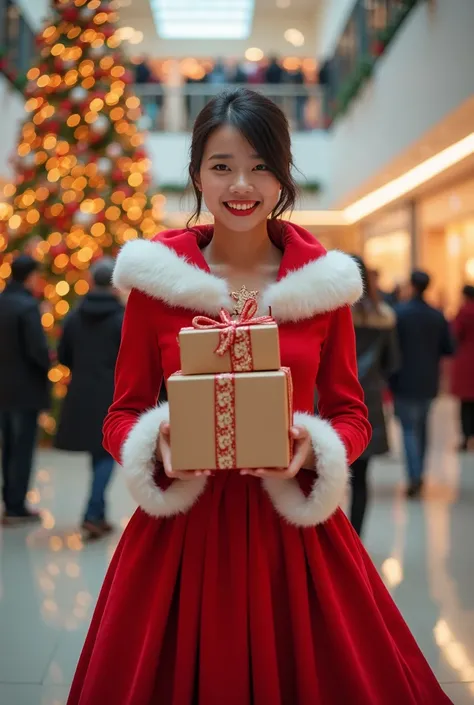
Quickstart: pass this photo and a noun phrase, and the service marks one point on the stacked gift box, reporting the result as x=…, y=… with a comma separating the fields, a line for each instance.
x=231, y=403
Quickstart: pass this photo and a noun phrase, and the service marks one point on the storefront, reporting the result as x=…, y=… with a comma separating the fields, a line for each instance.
x=446, y=242
x=387, y=247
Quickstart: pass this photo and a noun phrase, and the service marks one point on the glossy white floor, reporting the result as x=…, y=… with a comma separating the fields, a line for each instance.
x=424, y=550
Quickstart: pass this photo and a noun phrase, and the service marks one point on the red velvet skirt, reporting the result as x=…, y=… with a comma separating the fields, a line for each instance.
x=230, y=605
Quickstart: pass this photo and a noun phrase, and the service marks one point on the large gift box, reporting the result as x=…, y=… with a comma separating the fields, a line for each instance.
x=244, y=345
x=230, y=421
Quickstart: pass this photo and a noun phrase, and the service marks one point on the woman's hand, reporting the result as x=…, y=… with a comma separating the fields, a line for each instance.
x=163, y=453
x=303, y=457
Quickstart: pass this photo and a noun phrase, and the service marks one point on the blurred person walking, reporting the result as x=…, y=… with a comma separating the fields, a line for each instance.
x=424, y=339
x=24, y=386
x=377, y=359
x=463, y=366
x=89, y=347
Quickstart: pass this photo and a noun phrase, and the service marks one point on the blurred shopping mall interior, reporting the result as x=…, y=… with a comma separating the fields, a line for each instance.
x=379, y=95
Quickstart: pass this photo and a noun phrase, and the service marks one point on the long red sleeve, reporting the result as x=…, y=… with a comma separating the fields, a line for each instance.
x=138, y=373
x=341, y=399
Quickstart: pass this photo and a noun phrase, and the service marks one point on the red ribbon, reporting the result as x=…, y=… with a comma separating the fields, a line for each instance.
x=228, y=326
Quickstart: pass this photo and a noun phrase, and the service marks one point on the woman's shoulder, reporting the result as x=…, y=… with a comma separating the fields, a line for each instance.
x=171, y=269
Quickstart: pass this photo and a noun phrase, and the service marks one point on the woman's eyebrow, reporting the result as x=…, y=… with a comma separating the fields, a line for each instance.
x=221, y=156
x=231, y=156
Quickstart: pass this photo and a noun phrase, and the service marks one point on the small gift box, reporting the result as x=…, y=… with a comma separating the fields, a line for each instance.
x=244, y=345
x=230, y=421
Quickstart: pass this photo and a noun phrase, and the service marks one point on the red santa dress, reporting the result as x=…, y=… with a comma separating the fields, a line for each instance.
x=234, y=590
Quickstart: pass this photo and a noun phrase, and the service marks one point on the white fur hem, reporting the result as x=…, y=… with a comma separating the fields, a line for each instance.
x=138, y=454
x=329, y=487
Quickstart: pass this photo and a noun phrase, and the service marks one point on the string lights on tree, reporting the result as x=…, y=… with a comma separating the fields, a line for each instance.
x=81, y=171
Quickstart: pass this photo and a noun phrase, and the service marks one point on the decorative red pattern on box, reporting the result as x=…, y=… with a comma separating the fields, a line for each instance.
x=224, y=411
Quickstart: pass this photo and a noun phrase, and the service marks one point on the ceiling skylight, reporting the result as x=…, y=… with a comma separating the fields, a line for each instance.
x=203, y=19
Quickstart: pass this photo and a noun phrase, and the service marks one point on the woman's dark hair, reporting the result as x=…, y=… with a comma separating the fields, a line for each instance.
x=263, y=125
x=370, y=297
x=468, y=291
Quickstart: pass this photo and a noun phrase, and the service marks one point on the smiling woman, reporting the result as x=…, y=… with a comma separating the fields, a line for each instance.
x=246, y=586
x=233, y=156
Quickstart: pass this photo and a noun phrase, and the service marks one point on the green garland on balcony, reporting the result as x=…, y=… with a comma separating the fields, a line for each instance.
x=365, y=68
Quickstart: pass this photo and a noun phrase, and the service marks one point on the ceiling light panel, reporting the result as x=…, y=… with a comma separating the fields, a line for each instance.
x=203, y=19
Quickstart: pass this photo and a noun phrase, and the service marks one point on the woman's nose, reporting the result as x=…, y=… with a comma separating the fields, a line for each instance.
x=241, y=185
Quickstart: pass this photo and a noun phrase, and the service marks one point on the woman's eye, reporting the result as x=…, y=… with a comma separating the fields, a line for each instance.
x=220, y=167
x=261, y=167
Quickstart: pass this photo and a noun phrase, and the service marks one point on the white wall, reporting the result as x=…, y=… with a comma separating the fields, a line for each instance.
x=169, y=155
x=426, y=74
x=35, y=12
x=12, y=113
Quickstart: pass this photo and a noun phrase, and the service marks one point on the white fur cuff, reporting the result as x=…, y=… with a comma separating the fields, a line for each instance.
x=329, y=487
x=138, y=462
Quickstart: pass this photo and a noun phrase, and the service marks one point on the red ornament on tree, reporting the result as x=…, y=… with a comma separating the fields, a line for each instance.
x=66, y=106
x=71, y=208
x=52, y=126
x=108, y=31
x=56, y=250
x=70, y=13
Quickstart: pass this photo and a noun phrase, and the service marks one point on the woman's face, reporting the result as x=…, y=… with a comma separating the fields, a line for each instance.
x=236, y=184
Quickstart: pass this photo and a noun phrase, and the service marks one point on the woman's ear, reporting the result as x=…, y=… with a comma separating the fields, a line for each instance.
x=197, y=183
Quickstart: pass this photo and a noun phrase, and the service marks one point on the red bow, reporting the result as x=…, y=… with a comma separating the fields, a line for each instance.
x=229, y=327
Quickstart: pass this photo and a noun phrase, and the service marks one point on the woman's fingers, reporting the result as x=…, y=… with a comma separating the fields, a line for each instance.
x=301, y=452
x=165, y=452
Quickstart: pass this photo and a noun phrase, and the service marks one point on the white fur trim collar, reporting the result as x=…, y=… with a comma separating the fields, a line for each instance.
x=323, y=285
x=329, y=487
x=138, y=465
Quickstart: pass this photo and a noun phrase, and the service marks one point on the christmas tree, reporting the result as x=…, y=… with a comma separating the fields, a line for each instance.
x=82, y=174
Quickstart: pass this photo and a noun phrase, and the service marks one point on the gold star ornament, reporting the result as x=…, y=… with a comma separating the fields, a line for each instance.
x=240, y=297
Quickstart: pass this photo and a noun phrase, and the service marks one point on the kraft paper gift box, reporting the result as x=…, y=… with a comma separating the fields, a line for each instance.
x=245, y=345
x=230, y=421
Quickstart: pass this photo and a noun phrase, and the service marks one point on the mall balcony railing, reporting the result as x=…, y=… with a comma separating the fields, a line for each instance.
x=370, y=28
x=171, y=108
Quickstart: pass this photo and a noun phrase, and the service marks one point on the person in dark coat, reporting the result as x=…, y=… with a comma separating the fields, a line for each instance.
x=463, y=366
x=377, y=359
x=89, y=346
x=24, y=386
x=424, y=338
x=274, y=73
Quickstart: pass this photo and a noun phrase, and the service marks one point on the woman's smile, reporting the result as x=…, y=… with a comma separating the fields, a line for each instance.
x=241, y=208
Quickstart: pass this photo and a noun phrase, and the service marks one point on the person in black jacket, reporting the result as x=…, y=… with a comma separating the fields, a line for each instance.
x=424, y=338
x=24, y=386
x=89, y=346
x=377, y=359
